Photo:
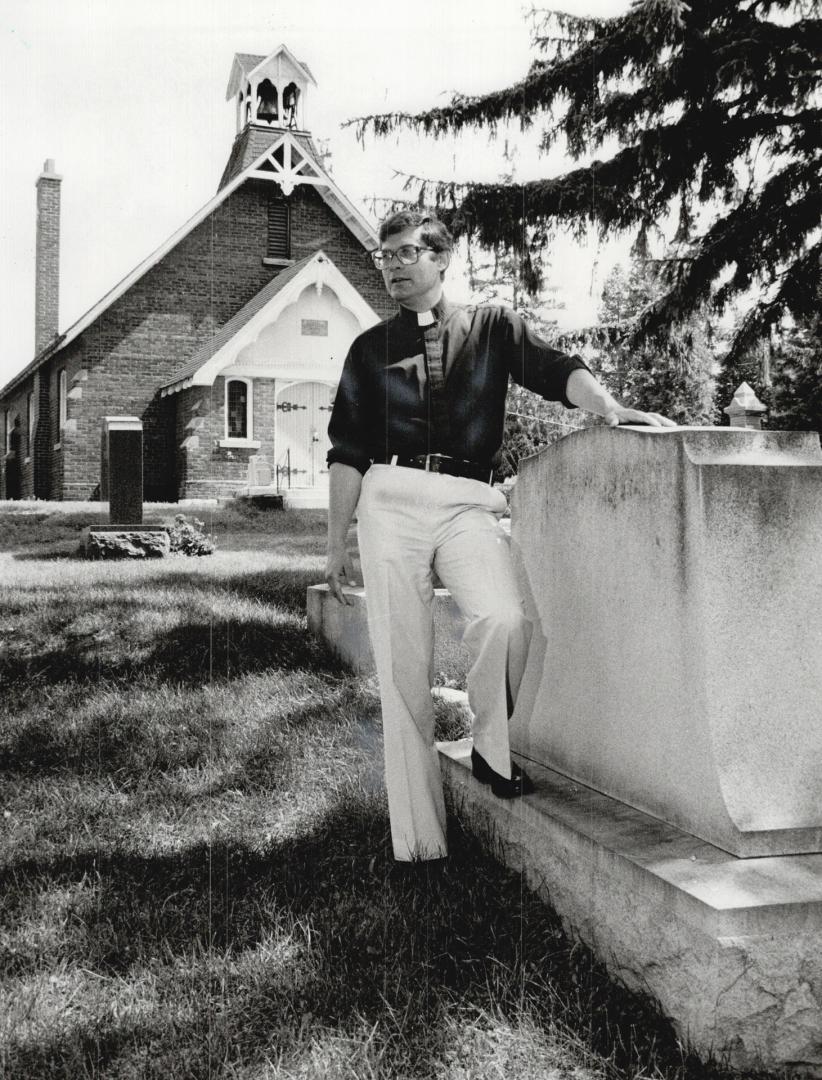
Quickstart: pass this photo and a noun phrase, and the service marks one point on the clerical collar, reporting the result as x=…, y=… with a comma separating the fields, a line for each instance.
x=439, y=312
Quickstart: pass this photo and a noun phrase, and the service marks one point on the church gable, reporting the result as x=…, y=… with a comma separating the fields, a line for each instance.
x=301, y=324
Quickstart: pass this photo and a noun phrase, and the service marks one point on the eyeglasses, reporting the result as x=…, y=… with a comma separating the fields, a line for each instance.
x=407, y=254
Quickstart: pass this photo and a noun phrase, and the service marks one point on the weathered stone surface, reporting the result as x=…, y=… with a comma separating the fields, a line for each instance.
x=123, y=543
x=345, y=628
x=731, y=948
x=675, y=580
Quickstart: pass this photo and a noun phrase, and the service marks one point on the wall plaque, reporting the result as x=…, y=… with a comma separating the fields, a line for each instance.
x=315, y=327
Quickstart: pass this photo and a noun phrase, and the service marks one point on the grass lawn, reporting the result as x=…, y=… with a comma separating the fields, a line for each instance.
x=195, y=869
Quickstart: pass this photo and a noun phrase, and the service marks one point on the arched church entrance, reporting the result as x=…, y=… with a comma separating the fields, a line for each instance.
x=303, y=412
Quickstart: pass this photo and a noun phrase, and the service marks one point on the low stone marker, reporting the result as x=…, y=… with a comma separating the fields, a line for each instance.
x=670, y=717
x=118, y=542
x=121, y=486
x=260, y=473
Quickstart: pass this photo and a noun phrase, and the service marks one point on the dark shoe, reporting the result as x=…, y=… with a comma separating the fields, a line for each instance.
x=502, y=787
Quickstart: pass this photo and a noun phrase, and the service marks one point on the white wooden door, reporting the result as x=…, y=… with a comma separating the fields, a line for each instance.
x=303, y=412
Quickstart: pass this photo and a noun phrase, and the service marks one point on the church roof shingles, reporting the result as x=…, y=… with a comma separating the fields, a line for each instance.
x=248, y=61
x=252, y=142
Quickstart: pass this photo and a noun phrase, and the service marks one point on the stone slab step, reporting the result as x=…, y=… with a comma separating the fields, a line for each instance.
x=731, y=947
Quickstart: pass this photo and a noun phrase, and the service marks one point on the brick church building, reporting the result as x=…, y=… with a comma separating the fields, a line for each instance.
x=227, y=342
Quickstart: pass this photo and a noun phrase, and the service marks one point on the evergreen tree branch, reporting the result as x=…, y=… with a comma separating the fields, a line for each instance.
x=693, y=93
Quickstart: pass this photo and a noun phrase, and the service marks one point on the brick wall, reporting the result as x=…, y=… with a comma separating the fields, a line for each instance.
x=314, y=225
x=205, y=469
x=29, y=475
x=42, y=449
x=47, y=257
x=17, y=479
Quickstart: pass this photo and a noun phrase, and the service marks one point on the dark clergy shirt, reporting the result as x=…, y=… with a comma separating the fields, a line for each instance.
x=383, y=405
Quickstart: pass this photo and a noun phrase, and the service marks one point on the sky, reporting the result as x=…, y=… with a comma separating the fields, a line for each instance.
x=128, y=99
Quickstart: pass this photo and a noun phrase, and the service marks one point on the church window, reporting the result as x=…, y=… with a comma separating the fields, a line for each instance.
x=279, y=230
x=30, y=424
x=13, y=433
x=62, y=407
x=238, y=409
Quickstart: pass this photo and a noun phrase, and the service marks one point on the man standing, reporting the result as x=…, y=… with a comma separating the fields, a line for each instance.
x=417, y=422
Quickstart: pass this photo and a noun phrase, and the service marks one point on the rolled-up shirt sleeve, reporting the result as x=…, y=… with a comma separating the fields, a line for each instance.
x=349, y=425
x=534, y=364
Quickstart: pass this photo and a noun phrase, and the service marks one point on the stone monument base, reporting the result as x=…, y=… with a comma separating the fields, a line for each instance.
x=730, y=947
x=126, y=542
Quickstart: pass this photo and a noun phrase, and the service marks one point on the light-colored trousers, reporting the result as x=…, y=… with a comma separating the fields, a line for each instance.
x=410, y=523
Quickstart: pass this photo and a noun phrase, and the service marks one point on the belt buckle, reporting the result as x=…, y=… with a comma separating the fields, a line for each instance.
x=432, y=462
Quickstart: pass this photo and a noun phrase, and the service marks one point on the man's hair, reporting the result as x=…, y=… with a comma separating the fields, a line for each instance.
x=434, y=233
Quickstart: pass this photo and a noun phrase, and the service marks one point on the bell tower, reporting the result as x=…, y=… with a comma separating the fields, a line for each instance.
x=270, y=91
x=272, y=141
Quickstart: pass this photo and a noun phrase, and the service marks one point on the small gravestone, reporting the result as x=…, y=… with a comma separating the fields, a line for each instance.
x=121, y=485
x=260, y=473
x=261, y=491
x=121, y=469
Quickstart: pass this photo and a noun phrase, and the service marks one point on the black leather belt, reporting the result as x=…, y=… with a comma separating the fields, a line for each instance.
x=442, y=463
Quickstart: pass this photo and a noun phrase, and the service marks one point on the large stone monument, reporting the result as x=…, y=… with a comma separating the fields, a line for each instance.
x=676, y=577
x=671, y=717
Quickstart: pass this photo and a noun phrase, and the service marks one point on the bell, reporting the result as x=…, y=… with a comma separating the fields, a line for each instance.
x=267, y=112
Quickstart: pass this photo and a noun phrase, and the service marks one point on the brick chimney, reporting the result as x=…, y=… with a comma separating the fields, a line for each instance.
x=47, y=266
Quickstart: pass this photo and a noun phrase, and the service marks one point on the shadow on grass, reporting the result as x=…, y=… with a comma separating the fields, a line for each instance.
x=285, y=590
x=395, y=946
x=282, y=588
x=192, y=654
x=142, y=736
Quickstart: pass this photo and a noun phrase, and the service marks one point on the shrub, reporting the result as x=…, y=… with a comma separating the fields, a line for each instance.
x=187, y=537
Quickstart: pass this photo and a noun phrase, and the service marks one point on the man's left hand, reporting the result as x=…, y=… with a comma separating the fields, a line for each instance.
x=621, y=415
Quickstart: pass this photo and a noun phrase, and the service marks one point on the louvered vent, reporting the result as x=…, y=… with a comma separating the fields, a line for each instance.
x=279, y=239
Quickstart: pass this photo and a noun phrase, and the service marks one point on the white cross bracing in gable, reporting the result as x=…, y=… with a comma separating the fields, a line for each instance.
x=289, y=165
